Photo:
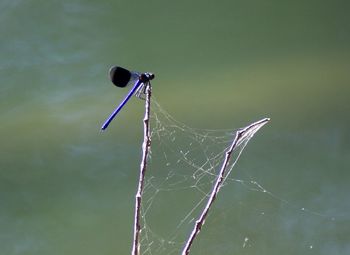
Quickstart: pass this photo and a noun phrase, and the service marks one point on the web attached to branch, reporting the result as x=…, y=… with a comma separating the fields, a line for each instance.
x=182, y=168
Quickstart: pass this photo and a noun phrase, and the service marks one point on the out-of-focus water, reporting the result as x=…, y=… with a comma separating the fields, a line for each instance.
x=65, y=188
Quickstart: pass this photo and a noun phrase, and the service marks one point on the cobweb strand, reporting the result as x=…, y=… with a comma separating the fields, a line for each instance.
x=183, y=168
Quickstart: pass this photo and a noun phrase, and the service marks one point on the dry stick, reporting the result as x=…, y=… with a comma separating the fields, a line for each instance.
x=145, y=150
x=218, y=184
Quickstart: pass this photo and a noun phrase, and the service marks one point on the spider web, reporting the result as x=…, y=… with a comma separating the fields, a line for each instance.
x=183, y=166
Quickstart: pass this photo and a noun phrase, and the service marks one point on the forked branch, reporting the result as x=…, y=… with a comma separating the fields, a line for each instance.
x=240, y=134
x=143, y=166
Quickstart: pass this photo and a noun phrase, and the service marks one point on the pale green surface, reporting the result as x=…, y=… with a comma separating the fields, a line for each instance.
x=67, y=189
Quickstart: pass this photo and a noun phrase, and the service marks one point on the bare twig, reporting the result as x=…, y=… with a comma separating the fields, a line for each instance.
x=242, y=133
x=143, y=166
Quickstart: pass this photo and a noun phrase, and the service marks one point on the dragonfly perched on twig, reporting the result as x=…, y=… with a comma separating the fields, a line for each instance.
x=122, y=77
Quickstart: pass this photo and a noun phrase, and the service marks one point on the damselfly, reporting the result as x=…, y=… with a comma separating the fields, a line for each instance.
x=122, y=77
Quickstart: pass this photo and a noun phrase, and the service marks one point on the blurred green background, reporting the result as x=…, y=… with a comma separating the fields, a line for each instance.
x=66, y=188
